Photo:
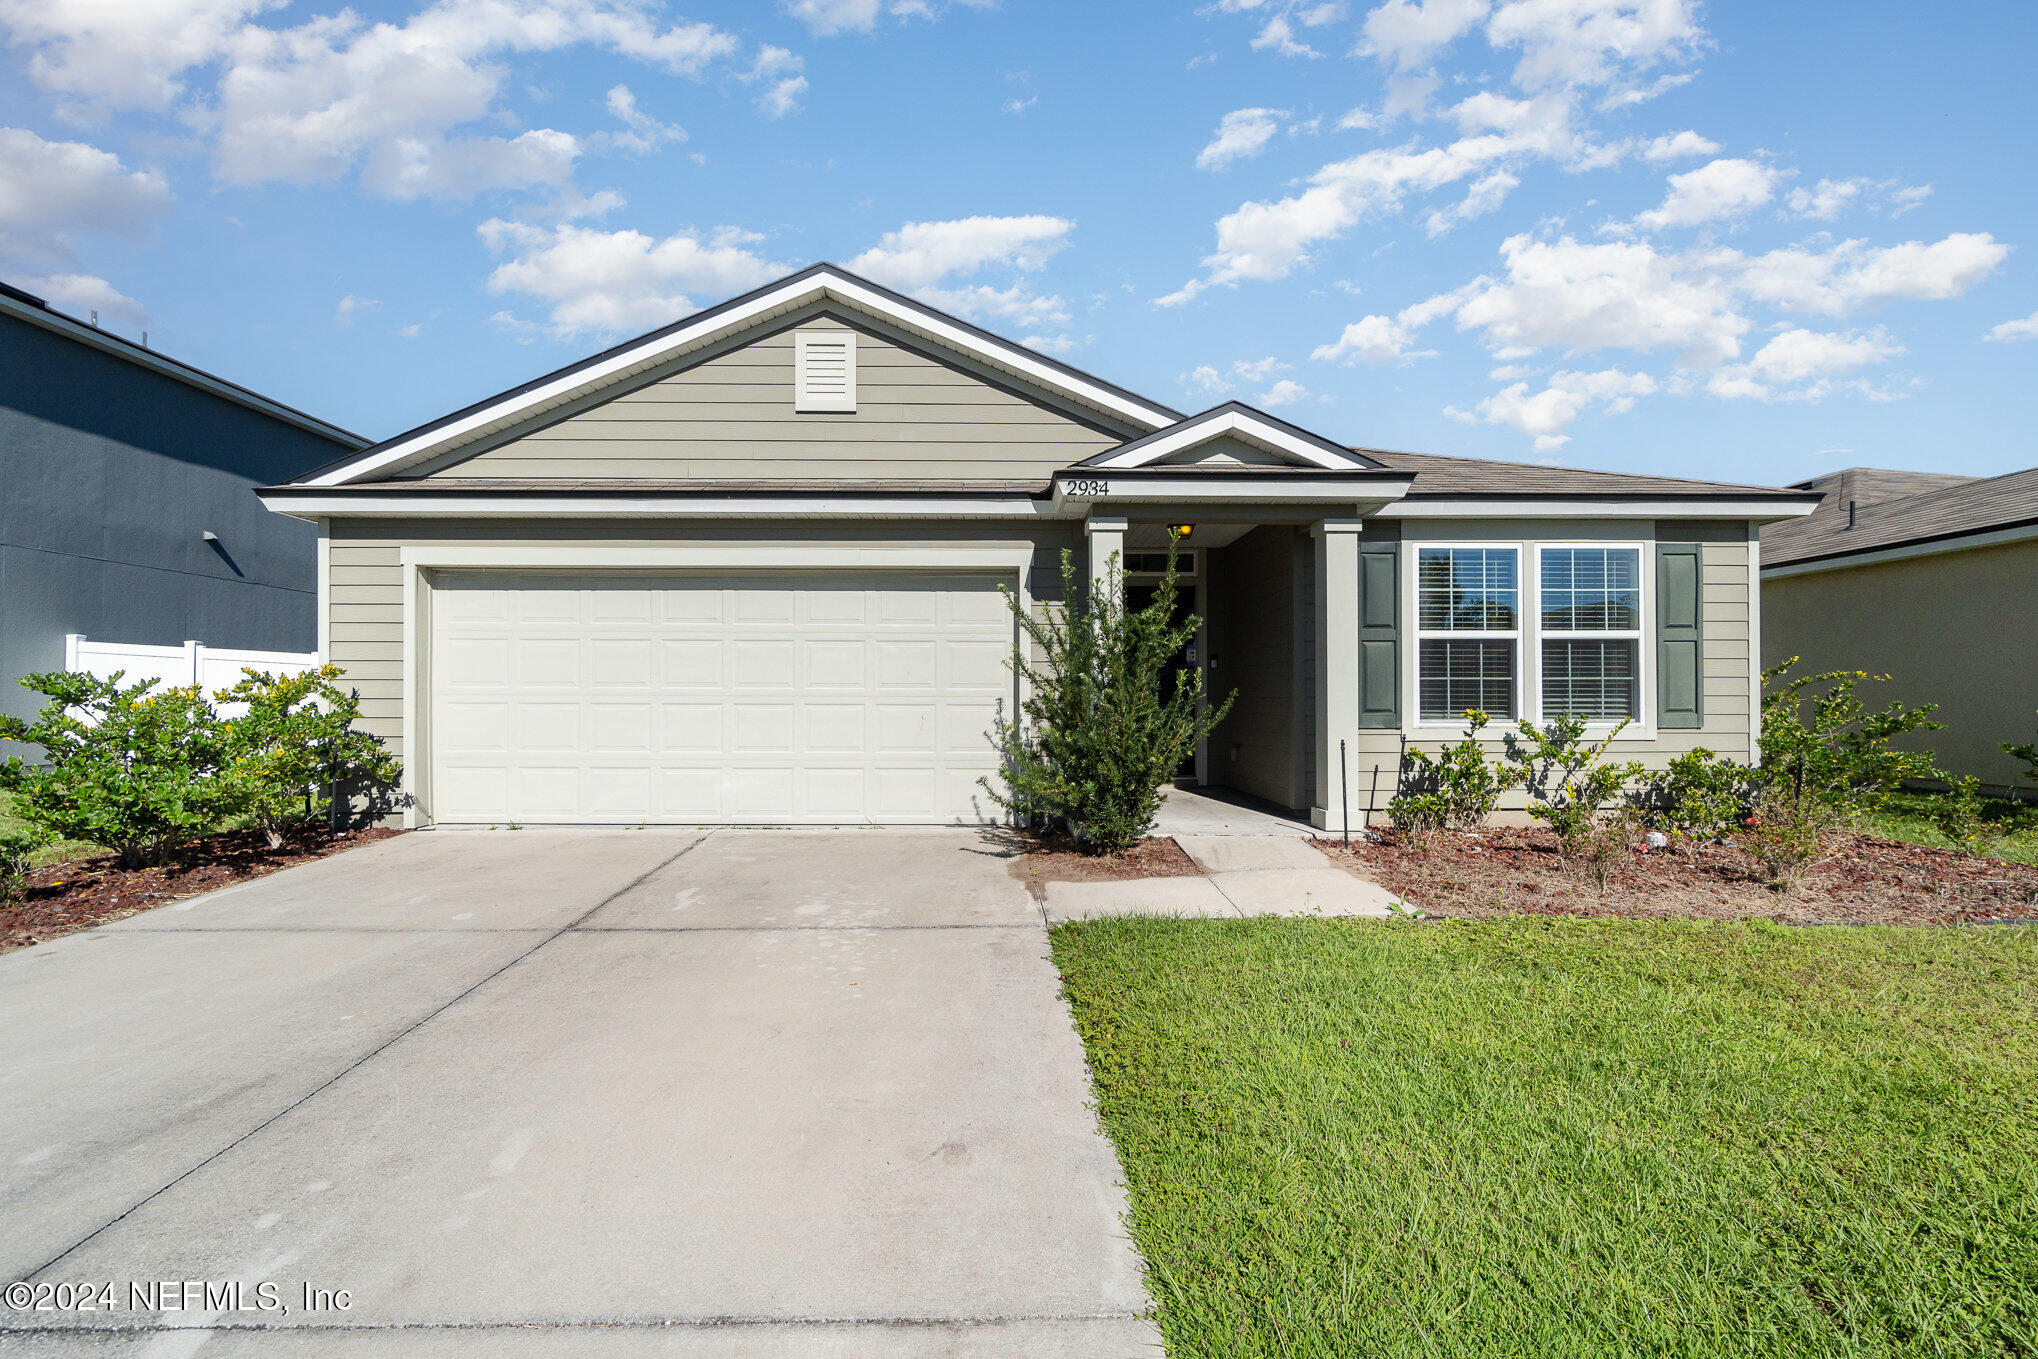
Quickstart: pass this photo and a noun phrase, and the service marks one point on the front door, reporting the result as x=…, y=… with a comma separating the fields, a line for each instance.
x=1139, y=595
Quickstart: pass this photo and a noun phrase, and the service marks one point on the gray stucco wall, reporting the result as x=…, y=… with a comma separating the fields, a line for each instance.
x=1959, y=629
x=109, y=475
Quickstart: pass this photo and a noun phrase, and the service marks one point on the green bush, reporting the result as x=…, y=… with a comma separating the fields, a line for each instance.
x=2028, y=753
x=1702, y=796
x=17, y=850
x=1826, y=758
x=1570, y=782
x=294, y=745
x=126, y=766
x=1455, y=789
x=1960, y=814
x=1096, y=738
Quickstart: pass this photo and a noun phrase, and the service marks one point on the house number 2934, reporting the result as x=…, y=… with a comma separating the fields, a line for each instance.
x=1089, y=486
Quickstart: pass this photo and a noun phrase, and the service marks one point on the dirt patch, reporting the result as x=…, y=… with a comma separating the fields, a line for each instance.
x=64, y=898
x=1864, y=880
x=1042, y=861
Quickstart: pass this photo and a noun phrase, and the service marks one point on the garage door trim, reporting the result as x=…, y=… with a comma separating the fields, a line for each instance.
x=1008, y=560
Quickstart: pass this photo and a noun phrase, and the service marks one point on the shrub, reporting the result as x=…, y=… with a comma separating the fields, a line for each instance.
x=2028, y=753
x=17, y=849
x=124, y=766
x=1702, y=796
x=1455, y=789
x=1826, y=758
x=1096, y=739
x=1959, y=815
x=1569, y=781
x=294, y=745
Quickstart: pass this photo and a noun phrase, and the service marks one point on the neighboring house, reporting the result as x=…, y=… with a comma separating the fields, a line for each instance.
x=127, y=510
x=1929, y=579
x=747, y=568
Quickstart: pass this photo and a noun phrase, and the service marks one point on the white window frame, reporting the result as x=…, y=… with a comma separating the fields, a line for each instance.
x=1412, y=570
x=1527, y=638
x=1642, y=726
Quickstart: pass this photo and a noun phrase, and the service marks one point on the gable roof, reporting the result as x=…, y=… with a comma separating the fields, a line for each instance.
x=1233, y=419
x=819, y=282
x=1954, y=508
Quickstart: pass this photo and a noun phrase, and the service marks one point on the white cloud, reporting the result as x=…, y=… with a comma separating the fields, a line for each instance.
x=352, y=306
x=1372, y=340
x=1831, y=197
x=1593, y=42
x=641, y=131
x=1545, y=415
x=1723, y=188
x=1853, y=274
x=1286, y=392
x=933, y=261
x=2023, y=328
x=1408, y=34
x=1241, y=134
x=1678, y=146
x=606, y=282
x=1486, y=195
x=1800, y=364
x=1206, y=380
x=1357, y=120
x=1018, y=106
x=83, y=294
x=97, y=55
x=1278, y=36
x=53, y=192
x=826, y=18
x=1258, y=370
x=780, y=72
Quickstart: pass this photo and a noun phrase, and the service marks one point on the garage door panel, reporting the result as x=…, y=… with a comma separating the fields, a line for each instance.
x=629, y=699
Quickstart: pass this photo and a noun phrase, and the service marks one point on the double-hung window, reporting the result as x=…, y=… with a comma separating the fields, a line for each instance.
x=1468, y=631
x=1590, y=626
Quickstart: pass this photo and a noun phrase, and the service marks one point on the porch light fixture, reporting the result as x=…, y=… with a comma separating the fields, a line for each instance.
x=1181, y=530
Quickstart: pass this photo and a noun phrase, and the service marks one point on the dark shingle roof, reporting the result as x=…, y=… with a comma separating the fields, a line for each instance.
x=1893, y=509
x=1437, y=475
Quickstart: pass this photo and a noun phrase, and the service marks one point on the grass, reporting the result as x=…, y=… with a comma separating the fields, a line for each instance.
x=1913, y=818
x=60, y=852
x=1571, y=1138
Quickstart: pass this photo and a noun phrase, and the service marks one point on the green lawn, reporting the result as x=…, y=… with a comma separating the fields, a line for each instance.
x=1913, y=817
x=1566, y=1138
x=48, y=854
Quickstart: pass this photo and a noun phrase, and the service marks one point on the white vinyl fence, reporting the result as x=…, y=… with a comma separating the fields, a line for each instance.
x=213, y=668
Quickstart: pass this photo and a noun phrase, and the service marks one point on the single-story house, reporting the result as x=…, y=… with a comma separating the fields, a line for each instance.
x=747, y=569
x=127, y=511
x=1929, y=579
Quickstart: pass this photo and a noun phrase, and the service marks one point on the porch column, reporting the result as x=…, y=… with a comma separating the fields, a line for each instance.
x=1337, y=660
x=1107, y=539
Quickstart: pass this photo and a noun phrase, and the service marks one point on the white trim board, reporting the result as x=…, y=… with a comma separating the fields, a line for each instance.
x=407, y=505
x=821, y=284
x=1253, y=429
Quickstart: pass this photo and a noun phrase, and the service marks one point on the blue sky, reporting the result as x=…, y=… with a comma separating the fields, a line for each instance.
x=1746, y=241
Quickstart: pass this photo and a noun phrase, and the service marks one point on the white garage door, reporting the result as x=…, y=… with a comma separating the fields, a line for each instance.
x=754, y=699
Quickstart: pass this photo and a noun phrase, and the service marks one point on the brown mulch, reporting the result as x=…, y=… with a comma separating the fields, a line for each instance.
x=1045, y=859
x=1863, y=880
x=64, y=898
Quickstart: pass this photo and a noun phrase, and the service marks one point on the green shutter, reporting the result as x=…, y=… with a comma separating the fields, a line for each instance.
x=1680, y=662
x=1379, y=633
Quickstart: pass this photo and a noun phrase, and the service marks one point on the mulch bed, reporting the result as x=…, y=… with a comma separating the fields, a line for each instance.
x=64, y=898
x=1863, y=880
x=1042, y=860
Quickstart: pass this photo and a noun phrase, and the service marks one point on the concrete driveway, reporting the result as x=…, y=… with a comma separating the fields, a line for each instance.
x=566, y=1093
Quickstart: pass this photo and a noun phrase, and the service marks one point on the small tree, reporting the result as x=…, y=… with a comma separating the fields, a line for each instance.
x=1096, y=738
x=295, y=742
x=2028, y=753
x=1569, y=781
x=17, y=856
x=1455, y=789
x=124, y=766
x=1826, y=758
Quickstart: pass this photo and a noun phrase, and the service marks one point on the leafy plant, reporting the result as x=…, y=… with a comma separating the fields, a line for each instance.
x=1569, y=781
x=1701, y=796
x=294, y=745
x=124, y=766
x=17, y=850
x=1826, y=757
x=1455, y=789
x=1960, y=815
x=2028, y=753
x=1096, y=738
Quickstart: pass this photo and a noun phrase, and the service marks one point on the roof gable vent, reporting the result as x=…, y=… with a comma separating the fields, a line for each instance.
x=824, y=370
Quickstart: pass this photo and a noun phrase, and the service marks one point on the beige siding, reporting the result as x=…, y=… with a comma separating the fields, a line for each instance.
x=367, y=577
x=730, y=417
x=1959, y=629
x=1225, y=452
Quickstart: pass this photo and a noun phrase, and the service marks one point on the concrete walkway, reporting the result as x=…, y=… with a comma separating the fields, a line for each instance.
x=570, y=1093
x=1220, y=811
x=1243, y=875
